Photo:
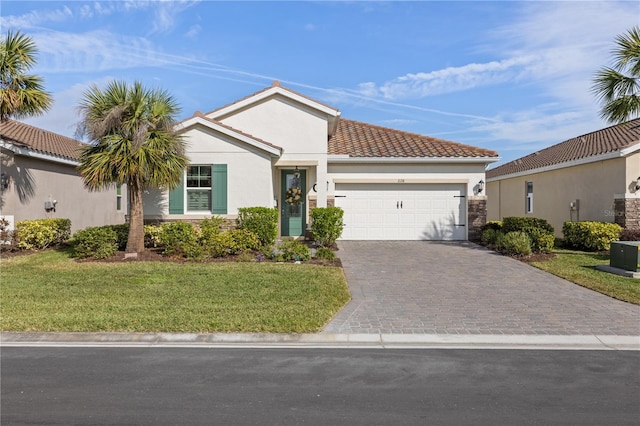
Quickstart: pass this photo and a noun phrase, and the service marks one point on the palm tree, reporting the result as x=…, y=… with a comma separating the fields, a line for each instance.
x=133, y=143
x=618, y=88
x=22, y=95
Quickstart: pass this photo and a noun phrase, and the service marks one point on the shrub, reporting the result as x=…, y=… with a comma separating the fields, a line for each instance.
x=510, y=224
x=262, y=221
x=210, y=226
x=218, y=245
x=516, y=243
x=496, y=225
x=542, y=241
x=326, y=225
x=590, y=236
x=244, y=239
x=540, y=232
x=324, y=253
x=122, y=233
x=98, y=242
x=42, y=233
x=490, y=236
x=629, y=235
x=152, y=235
x=180, y=239
x=294, y=250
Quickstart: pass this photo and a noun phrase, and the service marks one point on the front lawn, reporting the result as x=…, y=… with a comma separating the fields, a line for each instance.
x=580, y=267
x=49, y=291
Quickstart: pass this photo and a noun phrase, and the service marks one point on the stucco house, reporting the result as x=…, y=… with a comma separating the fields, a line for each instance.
x=279, y=148
x=39, y=179
x=590, y=177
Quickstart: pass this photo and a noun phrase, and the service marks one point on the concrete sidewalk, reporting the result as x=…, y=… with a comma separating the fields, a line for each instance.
x=326, y=340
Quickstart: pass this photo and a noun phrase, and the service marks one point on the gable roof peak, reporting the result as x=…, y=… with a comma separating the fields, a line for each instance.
x=276, y=83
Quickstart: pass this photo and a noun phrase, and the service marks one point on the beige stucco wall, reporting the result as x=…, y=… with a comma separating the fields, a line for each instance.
x=593, y=184
x=633, y=172
x=34, y=181
x=249, y=174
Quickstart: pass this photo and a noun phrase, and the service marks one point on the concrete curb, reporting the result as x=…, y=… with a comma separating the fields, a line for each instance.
x=212, y=340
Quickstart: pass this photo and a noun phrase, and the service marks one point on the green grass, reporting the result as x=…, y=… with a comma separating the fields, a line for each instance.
x=580, y=268
x=48, y=291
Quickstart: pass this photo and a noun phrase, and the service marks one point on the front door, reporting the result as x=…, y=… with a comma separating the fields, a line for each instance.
x=292, y=207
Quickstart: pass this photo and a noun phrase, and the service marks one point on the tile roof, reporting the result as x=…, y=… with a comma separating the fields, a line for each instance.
x=608, y=140
x=364, y=140
x=33, y=138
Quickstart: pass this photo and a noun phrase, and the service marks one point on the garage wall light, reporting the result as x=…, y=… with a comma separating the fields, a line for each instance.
x=480, y=186
x=638, y=184
x=4, y=181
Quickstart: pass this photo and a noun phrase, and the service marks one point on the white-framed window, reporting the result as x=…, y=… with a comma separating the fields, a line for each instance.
x=199, y=184
x=529, y=198
x=118, y=197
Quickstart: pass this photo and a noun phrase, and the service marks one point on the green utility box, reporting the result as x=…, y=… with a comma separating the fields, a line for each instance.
x=625, y=255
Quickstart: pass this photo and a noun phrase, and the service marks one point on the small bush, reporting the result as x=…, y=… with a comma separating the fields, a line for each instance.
x=152, y=236
x=490, y=236
x=262, y=221
x=97, y=242
x=211, y=226
x=122, y=232
x=496, y=225
x=326, y=225
x=590, y=236
x=516, y=243
x=244, y=239
x=540, y=232
x=511, y=224
x=542, y=241
x=180, y=239
x=218, y=245
x=324, y=253
x=294, y=250
x=629, y=235
x=42, y=233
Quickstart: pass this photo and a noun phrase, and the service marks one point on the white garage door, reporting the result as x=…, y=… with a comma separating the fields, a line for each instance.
x=402, y=211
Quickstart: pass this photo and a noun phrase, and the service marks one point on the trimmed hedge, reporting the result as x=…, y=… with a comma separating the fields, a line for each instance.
x=293, y=250
x=42, y=233
x=98, y=242
x=590, y=236
x=326, y=225
x=496, y=225
x=262, y=221
x=540, y=232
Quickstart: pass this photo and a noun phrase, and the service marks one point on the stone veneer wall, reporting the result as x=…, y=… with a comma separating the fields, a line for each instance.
x=627, y=212
x=476, y=216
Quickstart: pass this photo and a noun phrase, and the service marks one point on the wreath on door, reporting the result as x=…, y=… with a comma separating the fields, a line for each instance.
x=294, y=195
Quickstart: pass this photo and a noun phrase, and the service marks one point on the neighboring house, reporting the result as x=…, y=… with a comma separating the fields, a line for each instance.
x=39, y=180
x=278, y=148
x=590, y=177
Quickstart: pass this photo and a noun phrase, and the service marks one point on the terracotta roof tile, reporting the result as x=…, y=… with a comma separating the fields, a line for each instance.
x=358, y=139
x=610, y=139
x=43, y=141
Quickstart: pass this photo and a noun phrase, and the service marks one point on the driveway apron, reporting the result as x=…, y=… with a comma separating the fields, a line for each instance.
x=423, y=287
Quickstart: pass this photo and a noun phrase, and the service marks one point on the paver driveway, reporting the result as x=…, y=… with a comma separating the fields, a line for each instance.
x=462, y=288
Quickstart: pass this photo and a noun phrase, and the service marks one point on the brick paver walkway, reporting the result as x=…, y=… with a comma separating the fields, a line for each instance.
x=462, y=288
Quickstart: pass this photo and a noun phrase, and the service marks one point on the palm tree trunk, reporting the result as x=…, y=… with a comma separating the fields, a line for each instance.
x=135, y=242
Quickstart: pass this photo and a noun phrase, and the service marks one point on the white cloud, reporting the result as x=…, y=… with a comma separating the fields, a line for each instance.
x=193, y=31
x=452, y=79
x=35, y=18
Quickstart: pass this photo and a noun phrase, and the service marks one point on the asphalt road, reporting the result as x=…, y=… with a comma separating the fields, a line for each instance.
x=184, y=386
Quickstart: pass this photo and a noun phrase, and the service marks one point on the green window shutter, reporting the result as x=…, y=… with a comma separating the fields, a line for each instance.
x=219, y=192
x=176, y=199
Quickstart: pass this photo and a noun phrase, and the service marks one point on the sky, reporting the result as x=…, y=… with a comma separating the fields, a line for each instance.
x=514, y=77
